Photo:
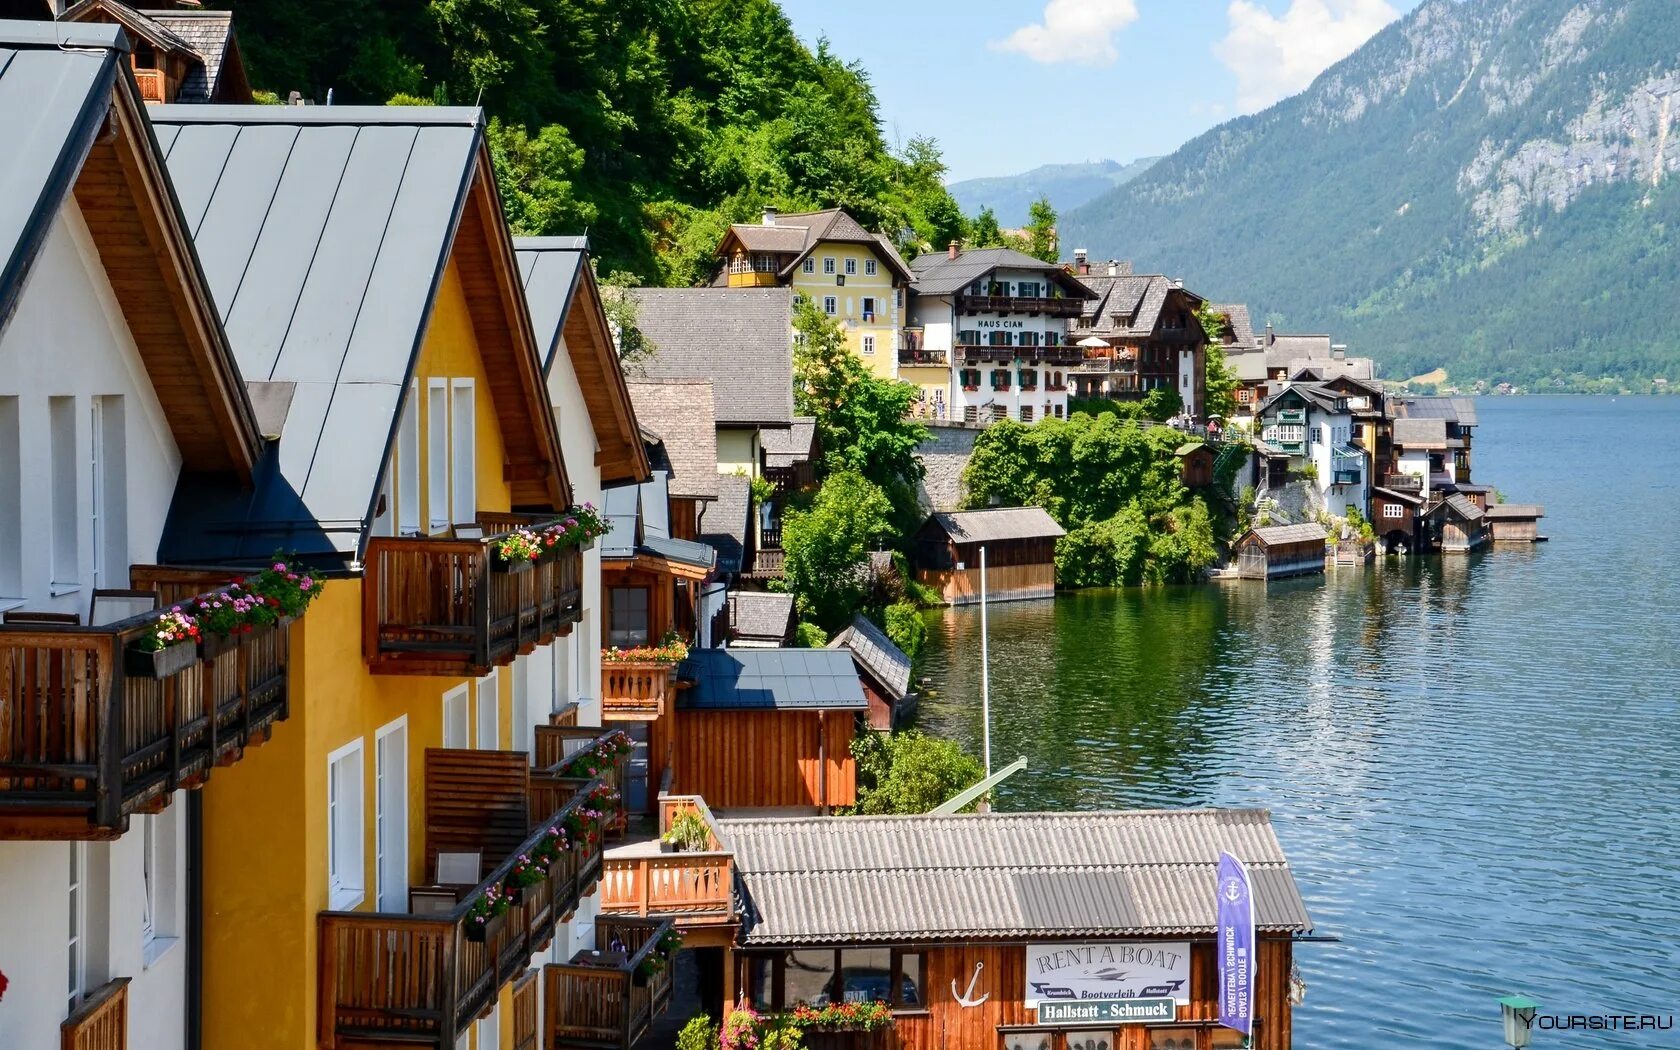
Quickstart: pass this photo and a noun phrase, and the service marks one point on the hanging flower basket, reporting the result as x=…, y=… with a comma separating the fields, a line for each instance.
x=160, y=663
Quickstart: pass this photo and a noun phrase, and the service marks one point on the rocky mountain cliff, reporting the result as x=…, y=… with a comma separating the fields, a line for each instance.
x=1486, y=185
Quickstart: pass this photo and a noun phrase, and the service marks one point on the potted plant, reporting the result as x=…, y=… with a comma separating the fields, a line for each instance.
x=549, y=848
x=518, y=551
x=651, y=966
x=485, y=916
x=688, y=833
x=284, y=589
x=527, y=871
x=226, y=614
x=169, y=646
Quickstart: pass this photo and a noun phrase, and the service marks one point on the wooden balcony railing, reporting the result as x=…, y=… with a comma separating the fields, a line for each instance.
x=1059, y=354
x=917, y=356
x=100, y=1022
x=439, y=606
x=151, y=84
x=997, y=304
x=84, y=743
x=691, y=889
x=767, y=564
x=636, y=691
x=421, y=979
x=556, y=744
x=596, y=1007
x=1403, y=482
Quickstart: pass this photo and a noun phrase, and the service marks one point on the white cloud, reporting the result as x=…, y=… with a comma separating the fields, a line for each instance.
x=1276, y=56
x=1073, y=31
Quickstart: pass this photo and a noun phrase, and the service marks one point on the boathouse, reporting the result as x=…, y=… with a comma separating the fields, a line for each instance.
x=1274, y=551
x=1463, y=525
x=1195, y=464
x=1020, y=546
x=1515, y=522
x=968, y=926
x=884, y=670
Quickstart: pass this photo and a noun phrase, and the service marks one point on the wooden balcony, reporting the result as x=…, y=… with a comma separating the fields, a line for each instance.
x=692, y=889
x=982, y=354
x=152, y=85
x=1015, y=304
x=591, y=1006
x=767, y=564
x=558, y=742
x=419, y=977
x=636, y=691
x=438, y=606
x=1403, y=482
x=100, y=1022
x=917, y=357
x=84, y=744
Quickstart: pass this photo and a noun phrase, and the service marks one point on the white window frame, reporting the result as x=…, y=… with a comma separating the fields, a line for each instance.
x=828, y=264
x=437, y=454
x=869, y=344
x=1393, y=510
x=463, y=451
x=487, y=706
x=869, y=267
x=831, y=305
x=64, y=473
x=76, y=945
x=347, y=827
x=809, y=265
x=148, y=880
x=407, y=471
x=390, y=811
x=11, y=506
x=108, y=469
x=851, y=267
x=462, y=737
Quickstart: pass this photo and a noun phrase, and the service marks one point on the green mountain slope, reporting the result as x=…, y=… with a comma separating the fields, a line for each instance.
x=1067, y=185
x=1486, y=185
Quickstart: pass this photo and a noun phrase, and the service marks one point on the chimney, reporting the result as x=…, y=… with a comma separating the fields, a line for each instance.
x=1081, y=263
x=1177, y=282
x=769, y=216
x=1270, y=338
x=1338, y=351
x=1113, y=268
x=953, y=250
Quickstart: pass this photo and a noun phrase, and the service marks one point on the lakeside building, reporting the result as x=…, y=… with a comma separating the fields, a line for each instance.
x=1020, y=545
x=116, y=384
x=1287, y=355
x=180, y=53
x=1312, y=426
x=884, y=670
x=854, y=276
x=1274, y=551
x=1138, y=333
x=968, y=927
x=993, y=335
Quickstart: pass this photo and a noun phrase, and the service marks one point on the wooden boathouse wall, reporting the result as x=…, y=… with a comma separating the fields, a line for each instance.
x=1003, y=583
x=757, y=759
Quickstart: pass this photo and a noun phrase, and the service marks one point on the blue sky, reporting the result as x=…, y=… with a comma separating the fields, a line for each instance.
x=1007, y=85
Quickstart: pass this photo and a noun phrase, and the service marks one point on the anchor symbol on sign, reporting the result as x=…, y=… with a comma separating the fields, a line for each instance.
x=967, y=998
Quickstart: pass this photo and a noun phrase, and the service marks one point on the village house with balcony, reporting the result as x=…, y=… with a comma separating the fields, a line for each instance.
x=854, y=276
x=415, y=442
x=1137, y=333
x=999, y=317
x=1313, y=427
x=116, y=382
x=178, y=53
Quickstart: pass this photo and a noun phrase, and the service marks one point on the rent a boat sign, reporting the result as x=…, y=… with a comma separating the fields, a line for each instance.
x=1126, y=982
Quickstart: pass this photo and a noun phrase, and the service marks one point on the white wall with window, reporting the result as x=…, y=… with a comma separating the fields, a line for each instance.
x=581, y=659
x=346, y=835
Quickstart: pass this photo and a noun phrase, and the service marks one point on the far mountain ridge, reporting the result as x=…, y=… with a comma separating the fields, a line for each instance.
x=1485, y=185
x=1067, y=185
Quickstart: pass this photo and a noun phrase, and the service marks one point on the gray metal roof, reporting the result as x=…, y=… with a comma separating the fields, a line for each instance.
x=680, y=412
x=739, y=338
x=939, y=274
x=1303, y=533
x=686, y=551
x=549, y=268
x=764, y=679
x=324, y=233
x=876, y=654
x=1003, y=876
x=1420, y=433
x=998, y=523
x=726, y=521
x=51, y=108
x=761, y=615
x=621, y=505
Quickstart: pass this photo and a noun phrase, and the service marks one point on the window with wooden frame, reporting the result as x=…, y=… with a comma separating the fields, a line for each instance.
x=630, y=623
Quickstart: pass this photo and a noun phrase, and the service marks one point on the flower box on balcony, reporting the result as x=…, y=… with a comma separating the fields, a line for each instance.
x=518, y=565
x=160, y=663
x=479, y=932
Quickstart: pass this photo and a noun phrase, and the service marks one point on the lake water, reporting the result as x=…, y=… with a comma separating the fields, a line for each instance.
x=1473, y=763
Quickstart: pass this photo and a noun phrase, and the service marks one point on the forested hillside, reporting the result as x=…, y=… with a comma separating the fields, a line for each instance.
x=1487, y=185
x=1066, y=186
x=650, y=123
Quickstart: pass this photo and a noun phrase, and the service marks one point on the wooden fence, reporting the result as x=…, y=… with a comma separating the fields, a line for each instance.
x=100, y=1022
x=691, y=888
x=636, y=690
x=607, y=1006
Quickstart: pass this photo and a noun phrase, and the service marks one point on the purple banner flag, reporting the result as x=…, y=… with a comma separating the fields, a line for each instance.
x=1236, y=945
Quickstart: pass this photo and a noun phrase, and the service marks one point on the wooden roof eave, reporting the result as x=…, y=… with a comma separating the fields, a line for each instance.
x=157, y=214
x=666, y=567
x=620, y=453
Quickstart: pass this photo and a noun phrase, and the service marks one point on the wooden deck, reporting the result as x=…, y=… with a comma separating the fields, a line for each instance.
x=438, y=606
x=84, y=743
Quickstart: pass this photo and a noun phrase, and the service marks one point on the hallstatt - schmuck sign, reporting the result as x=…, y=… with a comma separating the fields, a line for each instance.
x=1108, y=970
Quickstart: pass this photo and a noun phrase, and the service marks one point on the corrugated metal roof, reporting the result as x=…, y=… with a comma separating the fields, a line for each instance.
x=998, y=523
x=680, y=412
x=847, y=880
x=324, y=232
x=739, y=338
x=1306, y=532
x=758, y=679
x=760, y=615
x=50, y=112
x=876, y=654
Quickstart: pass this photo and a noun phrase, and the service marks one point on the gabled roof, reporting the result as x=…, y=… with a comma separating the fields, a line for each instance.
x=1127, y=306
x=62, y=88
x=995, y=524
x=939, y=274
x=680, y=412
x=726, y=522
x=1271, y=535
x=1314, y=394
x=1242, y=327
x=1420, y=433
x=796, y=444
x=1461, y=507
x=1284, y=351
x=1514, y=511
x=567, y=309
x=761, y=616
x=1397, y=496
x=797, y=234
x=1003, y=876
x=327, y=233
x=770, y=679
x=739, y=338
x=876, y=656
x=204, y=38
x=1460, y=410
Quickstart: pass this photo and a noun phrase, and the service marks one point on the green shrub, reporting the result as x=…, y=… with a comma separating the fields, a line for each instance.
x=905, y=627
x=698, y=1034
x=808, y=635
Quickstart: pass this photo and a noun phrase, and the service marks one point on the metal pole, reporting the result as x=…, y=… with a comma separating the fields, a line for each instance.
x=985, y=669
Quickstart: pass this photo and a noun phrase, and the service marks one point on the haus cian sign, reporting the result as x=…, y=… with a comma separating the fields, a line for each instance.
x=1108, y=970
x=988, y=323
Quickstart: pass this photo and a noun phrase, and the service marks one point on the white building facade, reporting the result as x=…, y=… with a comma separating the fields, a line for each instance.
x=1315, y=426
